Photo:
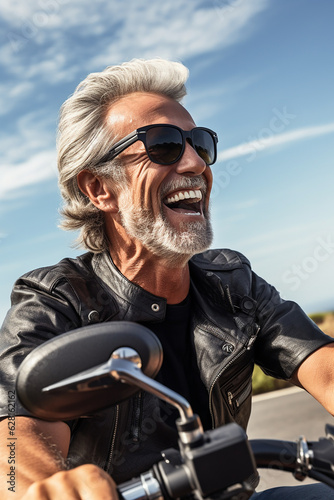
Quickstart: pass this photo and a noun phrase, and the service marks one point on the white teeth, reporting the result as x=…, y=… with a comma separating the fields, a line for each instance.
x=185, y=195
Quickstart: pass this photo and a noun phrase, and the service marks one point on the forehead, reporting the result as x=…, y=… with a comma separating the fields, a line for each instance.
x=140, y=108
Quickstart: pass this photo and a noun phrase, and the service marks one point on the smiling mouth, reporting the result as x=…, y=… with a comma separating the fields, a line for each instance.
x=187, y=202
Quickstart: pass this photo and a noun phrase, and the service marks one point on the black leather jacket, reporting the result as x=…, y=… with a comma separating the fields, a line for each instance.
x=237, y=318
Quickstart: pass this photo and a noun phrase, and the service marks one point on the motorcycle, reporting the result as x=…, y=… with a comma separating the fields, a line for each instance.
x=91, y=368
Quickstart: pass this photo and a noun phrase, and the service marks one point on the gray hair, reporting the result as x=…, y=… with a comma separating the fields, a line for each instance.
x=83, y=137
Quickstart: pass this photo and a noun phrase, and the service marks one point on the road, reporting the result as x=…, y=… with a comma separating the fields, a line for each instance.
x=286, y=414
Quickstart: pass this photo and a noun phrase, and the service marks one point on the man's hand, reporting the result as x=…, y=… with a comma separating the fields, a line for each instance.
x=87, y=482
x=40, y=465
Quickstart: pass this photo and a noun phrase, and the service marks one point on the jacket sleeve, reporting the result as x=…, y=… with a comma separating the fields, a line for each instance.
x=287, y=336
x=38, y=313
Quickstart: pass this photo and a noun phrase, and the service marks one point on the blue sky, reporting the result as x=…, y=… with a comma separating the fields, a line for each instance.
x=261, y=75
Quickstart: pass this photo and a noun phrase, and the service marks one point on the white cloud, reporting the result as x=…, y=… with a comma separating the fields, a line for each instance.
x=160, y=30
x=11, y=94
x=34, y=14
x=252, y=147
x=121, y=29
x=33, y=132
x=39, y=168
x=53, y=69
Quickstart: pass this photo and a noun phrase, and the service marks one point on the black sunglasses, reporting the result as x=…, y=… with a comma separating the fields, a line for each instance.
x=165, y=144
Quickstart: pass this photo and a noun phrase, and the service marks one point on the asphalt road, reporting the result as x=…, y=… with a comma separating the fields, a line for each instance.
x=286, y=414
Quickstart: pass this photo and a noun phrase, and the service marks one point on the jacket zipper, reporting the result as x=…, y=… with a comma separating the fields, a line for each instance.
x=248, y=346
x=113, y=439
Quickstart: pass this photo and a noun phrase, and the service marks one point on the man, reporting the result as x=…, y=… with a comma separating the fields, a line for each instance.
x=136, y=178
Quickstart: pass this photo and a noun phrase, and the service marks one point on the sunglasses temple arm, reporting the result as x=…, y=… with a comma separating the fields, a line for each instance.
x=119, y=147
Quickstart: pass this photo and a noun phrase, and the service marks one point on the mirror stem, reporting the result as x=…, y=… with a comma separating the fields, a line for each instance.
x=126, y=371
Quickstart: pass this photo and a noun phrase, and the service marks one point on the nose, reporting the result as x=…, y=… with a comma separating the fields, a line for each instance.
x=190, y=163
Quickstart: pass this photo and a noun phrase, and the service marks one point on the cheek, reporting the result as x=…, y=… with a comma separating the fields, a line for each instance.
x=146, y=183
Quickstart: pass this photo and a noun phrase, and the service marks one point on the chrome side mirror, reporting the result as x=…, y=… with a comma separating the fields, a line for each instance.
x=86, y=349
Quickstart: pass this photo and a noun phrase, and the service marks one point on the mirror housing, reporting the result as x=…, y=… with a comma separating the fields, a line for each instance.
x=77, y=351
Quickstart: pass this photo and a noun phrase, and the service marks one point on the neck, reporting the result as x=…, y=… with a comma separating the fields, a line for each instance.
x=157, y=276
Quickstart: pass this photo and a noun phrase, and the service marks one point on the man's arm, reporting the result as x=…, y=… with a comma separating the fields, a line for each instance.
x=316, y=376
x=39, y=451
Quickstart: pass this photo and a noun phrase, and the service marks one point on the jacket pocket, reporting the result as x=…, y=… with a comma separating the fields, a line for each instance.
x=237, y=397
x=238, y=390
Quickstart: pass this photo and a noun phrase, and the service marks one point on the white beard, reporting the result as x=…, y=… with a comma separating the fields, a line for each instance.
x=158, y=235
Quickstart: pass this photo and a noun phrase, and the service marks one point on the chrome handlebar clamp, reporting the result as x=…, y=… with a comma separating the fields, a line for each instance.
x=304, y=455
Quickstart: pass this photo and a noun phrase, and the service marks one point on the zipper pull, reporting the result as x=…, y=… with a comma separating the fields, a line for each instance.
x=230, y=398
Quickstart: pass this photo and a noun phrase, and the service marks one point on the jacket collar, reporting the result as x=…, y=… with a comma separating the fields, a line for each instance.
x=133, y=300
x=136, y=304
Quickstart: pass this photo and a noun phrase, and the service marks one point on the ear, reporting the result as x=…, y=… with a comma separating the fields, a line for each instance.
x=98, y=190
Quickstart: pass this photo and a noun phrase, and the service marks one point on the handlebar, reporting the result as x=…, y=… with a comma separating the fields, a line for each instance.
x=313, y=459
x=176, y=475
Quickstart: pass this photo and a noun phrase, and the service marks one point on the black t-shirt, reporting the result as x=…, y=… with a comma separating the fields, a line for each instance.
x=179, y=369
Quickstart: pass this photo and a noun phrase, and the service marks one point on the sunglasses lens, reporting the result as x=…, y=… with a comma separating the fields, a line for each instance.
x=164, y=144
x=204, y=145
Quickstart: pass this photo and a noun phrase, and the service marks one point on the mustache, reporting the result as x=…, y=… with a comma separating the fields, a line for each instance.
x=197, y=182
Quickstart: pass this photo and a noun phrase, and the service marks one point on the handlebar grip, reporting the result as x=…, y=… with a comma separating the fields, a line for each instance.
x=275, y=454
